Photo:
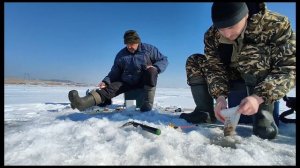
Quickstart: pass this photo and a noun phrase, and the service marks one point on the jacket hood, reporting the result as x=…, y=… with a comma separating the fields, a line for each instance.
x=256, y=7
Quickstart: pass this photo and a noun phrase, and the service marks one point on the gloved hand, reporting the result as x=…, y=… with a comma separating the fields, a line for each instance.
x=221, y=104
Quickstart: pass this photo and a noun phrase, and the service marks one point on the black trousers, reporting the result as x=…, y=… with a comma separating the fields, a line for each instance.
x=118, y=87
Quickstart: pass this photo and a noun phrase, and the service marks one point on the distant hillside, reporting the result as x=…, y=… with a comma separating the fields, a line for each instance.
x=54, y=82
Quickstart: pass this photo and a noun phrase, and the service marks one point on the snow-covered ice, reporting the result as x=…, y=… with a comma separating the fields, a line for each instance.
x=37, y=133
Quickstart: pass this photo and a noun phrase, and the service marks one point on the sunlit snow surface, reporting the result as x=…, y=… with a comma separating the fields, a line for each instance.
x=38, y=133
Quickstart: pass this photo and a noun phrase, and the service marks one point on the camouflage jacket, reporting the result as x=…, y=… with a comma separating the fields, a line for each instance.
x=267, y=54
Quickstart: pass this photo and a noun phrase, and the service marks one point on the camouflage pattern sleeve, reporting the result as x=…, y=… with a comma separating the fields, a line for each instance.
x=216, y=76
x=282, y=76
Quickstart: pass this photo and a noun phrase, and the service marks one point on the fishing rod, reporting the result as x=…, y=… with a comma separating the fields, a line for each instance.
x=150, y=129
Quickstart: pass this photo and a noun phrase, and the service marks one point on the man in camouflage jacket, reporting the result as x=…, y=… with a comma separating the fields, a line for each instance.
x=249, y=43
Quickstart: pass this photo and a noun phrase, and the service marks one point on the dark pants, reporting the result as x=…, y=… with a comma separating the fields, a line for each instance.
x=116, y=88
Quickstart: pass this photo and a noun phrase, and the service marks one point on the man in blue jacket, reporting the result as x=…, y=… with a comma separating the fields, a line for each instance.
x=136, y=66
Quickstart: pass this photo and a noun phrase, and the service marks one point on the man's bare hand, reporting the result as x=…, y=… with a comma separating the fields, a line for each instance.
x=250, y=104
x=221, y=104
x=102, y=85
x=149, y=66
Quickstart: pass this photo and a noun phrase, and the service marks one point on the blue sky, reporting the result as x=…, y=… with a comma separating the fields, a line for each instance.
x=79, y=41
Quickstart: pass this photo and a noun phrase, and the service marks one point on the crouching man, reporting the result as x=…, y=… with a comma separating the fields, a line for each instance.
x=135, y=66
x=246, y=44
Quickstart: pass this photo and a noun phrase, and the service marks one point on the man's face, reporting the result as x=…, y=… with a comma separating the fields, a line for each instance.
x=132, y=47
x=234, y=31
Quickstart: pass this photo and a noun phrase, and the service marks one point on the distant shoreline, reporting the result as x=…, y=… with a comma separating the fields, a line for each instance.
x=18, y=81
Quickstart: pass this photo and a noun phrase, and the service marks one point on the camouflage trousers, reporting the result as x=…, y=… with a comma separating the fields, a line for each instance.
x=194, y=69
x=195, y=72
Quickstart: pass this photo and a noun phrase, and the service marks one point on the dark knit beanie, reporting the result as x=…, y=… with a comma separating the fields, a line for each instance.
x=131, y=37
x=226, y=14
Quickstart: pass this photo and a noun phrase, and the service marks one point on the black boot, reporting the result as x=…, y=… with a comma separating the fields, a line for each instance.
x=203, y=112
x=264, y=125
x=196, y=117
x=149, y=93
x=85, y=102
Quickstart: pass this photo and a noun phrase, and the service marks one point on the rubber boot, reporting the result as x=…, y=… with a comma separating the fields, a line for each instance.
x=264, y=125
x=92, y=99
x=204, y=112
x=149, y=93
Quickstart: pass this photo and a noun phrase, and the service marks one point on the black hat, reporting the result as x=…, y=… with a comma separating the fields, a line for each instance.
x=227, y=14
x=131, y=37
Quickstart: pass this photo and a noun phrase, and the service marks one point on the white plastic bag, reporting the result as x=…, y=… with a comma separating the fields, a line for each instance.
x=232, y=118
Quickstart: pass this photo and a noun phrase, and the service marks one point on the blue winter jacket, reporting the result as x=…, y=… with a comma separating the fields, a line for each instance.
x=128, y=67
